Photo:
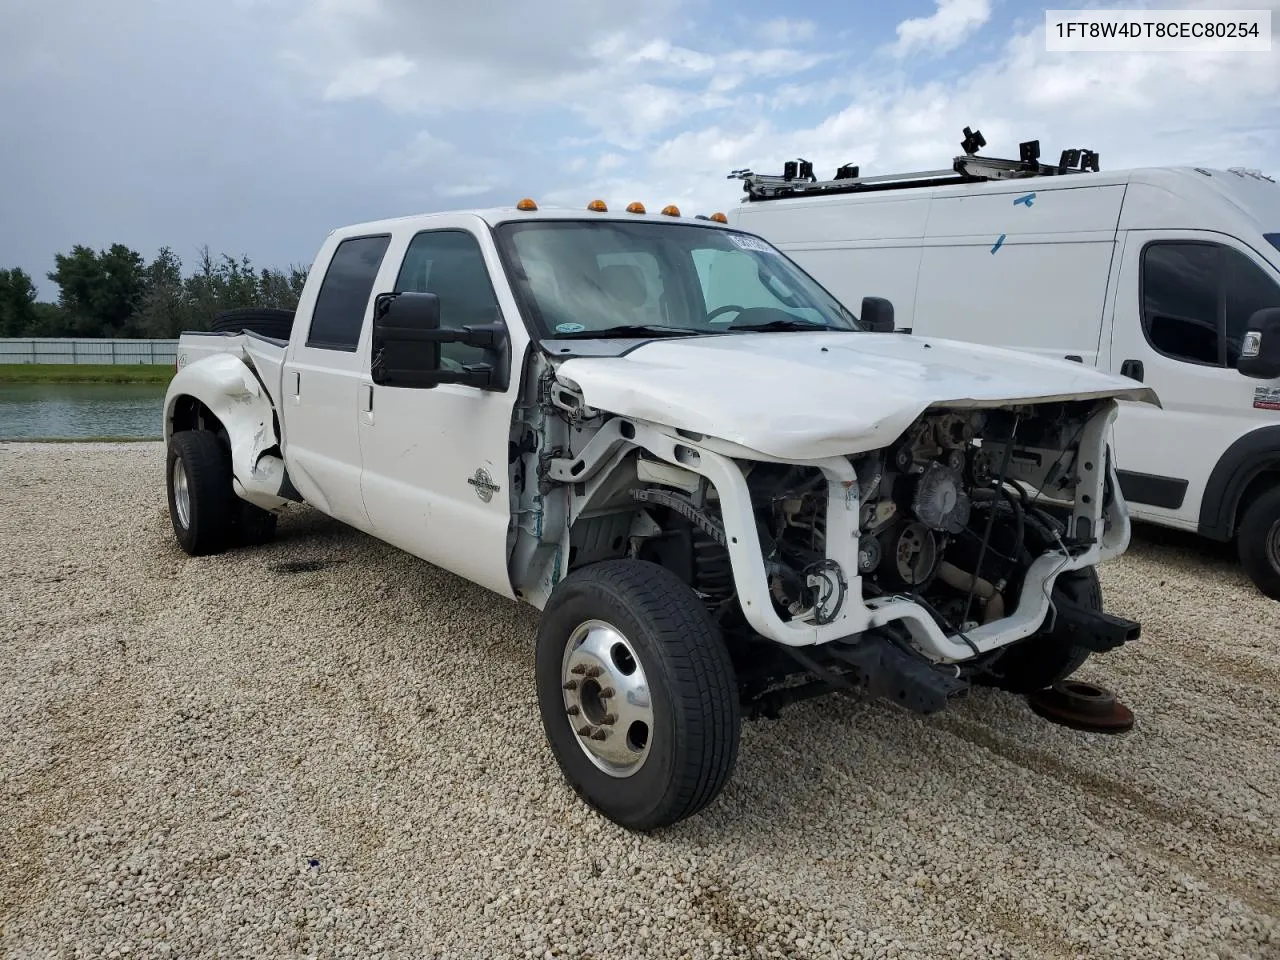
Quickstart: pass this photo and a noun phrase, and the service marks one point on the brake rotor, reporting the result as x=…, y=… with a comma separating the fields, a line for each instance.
x=1082, y=706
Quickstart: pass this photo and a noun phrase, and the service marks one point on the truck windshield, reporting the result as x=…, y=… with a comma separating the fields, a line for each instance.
x=616, y=279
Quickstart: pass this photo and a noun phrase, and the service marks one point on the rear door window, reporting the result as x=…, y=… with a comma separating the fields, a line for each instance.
x=340, y=307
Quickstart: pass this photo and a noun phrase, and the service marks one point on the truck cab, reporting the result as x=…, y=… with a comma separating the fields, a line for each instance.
x=723, y=488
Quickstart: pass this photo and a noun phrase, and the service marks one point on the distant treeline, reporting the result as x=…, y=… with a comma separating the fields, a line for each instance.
x=116, y=293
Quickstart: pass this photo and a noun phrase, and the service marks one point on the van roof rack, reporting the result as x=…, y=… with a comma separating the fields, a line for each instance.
x=797, y=178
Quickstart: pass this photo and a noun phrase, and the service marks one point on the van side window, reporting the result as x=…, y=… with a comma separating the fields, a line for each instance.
x=1180, y=300
x=340, y=306
x=1197, y=299
x=450, y=264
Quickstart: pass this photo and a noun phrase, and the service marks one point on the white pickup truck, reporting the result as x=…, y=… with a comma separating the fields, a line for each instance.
x=724, y=490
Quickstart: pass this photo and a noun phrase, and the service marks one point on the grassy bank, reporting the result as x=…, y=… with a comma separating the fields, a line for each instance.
x=85, y=372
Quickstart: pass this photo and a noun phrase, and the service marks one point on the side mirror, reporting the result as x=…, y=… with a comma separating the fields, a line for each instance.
x=1260, y=349
x=877, y=314
x=407, y=338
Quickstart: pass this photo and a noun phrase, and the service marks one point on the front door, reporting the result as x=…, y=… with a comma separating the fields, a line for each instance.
x=435, y=477
x=1183, y=303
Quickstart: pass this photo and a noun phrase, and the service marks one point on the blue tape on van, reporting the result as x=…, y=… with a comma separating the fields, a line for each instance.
x=1025, y=200
x=999, y=243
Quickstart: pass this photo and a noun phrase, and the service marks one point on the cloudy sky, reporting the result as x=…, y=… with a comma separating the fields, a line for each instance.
x=258, y=125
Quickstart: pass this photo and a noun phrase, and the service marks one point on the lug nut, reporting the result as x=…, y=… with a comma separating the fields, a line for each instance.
x=593, y=671
x=571, y=685
x=580, y=669
x=606, y=692
x=609, y=720
x=600, y=735
x=572, y=710
x=584, y=729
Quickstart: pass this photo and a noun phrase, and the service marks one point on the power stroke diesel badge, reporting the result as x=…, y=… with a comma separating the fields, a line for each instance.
x=485, y=487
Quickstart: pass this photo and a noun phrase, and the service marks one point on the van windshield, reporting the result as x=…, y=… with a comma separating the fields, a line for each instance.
x=615, y=279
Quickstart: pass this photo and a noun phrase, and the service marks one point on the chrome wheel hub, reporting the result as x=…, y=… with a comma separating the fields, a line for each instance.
x=606, y=698
x=181, y=493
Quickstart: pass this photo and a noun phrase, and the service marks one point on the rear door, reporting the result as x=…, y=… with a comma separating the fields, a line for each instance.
x=436, y=475
x=321, y=378
x=1184, y=298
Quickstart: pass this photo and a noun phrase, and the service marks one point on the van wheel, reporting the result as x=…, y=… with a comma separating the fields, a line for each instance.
x=1259, y=542
x=198, y=470
x=1042, y=660
x=637, y=693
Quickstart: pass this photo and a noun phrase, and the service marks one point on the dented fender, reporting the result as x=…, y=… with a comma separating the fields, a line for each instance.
x=231, y=391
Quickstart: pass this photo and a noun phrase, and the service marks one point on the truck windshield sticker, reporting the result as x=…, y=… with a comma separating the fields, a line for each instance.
x=569, y=328
x=1266, y=398
x=750, y=243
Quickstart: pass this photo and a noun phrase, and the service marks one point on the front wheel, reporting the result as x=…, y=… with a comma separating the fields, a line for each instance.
x=1259, y=543
x=637, y=693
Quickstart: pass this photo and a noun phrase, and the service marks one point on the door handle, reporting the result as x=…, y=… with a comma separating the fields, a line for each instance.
x=1077, y=359
x=1132, y=369
x=368, y=398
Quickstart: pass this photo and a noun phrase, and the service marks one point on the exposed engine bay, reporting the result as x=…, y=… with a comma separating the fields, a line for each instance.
x=943, y=519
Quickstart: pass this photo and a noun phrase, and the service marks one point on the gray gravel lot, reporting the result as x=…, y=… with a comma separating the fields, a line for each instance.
x=325, y=747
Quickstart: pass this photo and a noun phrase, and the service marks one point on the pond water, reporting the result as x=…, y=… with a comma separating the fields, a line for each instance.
x=73, y=411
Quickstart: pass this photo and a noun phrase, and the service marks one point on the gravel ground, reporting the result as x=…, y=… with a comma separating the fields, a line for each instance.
x=325, y=747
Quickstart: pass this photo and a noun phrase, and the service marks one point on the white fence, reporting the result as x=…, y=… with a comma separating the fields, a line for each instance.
x=85, y=350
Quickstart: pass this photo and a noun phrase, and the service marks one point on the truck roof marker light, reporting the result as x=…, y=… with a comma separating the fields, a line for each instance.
x=526, y=204
x=719, y=218
x=598, y=206
x=671, y=210
x=636, y=207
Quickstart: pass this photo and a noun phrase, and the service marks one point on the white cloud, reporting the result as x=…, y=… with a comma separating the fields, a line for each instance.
x=785, y=31
x=366, y=76
x=954, y=22
x=1136, y=109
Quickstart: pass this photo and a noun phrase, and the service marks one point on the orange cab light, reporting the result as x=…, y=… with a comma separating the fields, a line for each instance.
x=598, y=206
x=671, y=210
x=719, y=218
x=636, y=207
x=526, y=204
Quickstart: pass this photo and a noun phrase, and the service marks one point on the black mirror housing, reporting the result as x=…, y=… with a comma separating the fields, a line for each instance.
x=1260, y=349
x=877, y=315
x=406, y=344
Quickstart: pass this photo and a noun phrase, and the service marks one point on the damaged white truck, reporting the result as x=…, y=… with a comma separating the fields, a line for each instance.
x=724, y=490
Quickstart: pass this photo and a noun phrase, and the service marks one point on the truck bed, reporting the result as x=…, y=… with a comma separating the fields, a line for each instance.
x=263, y=354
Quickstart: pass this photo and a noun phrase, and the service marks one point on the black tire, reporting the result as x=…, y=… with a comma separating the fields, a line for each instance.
x=206, y=524
x=253, y=525
x=267, y=321
x=1042, y=660
x=693, y=694
x=1258, y=542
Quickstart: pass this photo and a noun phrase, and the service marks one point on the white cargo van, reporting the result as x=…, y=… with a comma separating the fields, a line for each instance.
x=1170, y=276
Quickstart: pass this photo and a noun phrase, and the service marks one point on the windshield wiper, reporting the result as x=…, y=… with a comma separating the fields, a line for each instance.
x=631, y=330
x=774, y=326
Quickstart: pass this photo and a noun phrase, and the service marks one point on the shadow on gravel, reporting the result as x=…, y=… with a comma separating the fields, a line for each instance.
x=1164, y=543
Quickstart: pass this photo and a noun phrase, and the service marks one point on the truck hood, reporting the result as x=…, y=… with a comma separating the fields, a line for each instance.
x=802, y=396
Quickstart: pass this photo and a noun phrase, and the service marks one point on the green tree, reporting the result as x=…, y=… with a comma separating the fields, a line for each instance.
x=163, y=312
x=101, y=291
x=17, y=302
